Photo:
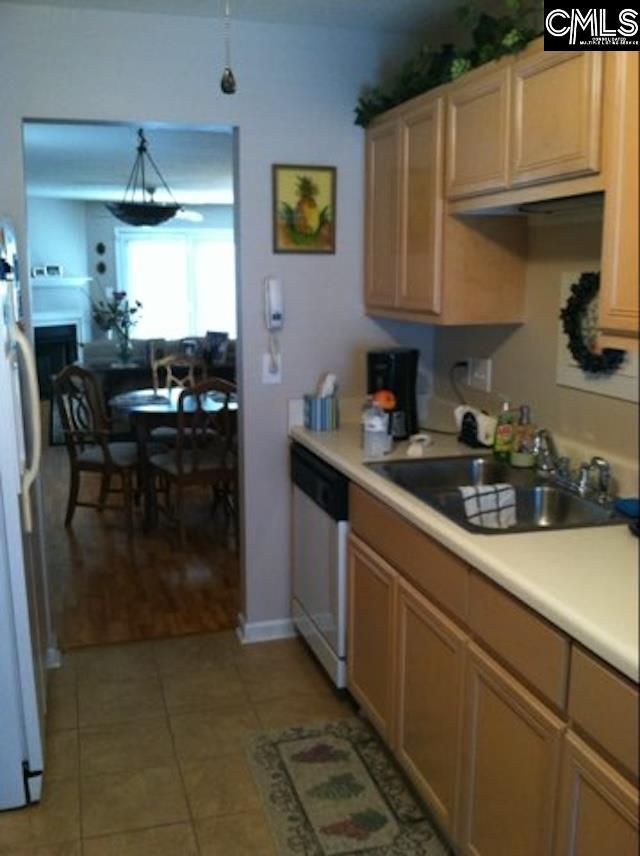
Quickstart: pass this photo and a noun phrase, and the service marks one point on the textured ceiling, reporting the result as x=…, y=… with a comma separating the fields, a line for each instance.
x=406, y=16
x=93, y=161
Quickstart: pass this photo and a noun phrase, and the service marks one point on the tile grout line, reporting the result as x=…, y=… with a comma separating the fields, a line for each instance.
x=175, y=753
x=80, y=810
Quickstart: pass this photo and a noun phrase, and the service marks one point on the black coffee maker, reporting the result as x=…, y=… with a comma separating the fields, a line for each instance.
x=396, y=369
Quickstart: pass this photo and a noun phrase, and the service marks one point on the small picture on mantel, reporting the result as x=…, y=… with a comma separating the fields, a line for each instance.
x=304, y=209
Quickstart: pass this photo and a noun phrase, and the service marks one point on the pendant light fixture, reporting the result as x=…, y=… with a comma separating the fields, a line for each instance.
x=138, y=207
x=227, y=81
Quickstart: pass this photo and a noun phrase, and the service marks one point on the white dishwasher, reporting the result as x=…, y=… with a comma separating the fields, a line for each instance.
x=319, y=524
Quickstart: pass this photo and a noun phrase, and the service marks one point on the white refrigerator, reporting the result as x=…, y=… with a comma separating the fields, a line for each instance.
x=24, y=615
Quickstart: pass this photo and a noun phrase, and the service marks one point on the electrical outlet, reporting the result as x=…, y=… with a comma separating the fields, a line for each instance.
x=267, y=375
x=479, y=373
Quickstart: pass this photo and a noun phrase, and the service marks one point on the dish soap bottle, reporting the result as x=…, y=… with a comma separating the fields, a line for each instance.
x=504, y=433
x=522, y=448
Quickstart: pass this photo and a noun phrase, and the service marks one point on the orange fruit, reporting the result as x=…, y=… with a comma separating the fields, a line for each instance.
x=385, y=398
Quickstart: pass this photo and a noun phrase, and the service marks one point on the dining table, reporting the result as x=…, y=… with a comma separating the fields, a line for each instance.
x=148, y=409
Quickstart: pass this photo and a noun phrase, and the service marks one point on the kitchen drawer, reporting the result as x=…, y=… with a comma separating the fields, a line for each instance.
x=604, y=706
x=524, y=641
x=437, y=572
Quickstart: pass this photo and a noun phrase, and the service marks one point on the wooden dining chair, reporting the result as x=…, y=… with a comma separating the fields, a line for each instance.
x=86, y=432
x=205, y=452
x=177, y=370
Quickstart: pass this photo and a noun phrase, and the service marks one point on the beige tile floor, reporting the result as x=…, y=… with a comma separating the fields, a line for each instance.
x=146, y=747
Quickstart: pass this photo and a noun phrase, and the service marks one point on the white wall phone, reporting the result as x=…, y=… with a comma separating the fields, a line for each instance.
x=273, y=304
x=274, y=321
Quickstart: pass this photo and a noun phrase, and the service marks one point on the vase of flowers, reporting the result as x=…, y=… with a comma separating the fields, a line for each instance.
x=117, y=316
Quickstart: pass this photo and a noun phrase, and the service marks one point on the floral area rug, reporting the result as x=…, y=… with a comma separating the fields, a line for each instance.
x=332, y=789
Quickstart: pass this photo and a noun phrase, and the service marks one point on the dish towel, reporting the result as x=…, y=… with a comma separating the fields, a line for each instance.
x=492, y=506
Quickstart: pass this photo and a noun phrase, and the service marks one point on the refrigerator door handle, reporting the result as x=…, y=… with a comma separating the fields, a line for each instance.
x=31, y=471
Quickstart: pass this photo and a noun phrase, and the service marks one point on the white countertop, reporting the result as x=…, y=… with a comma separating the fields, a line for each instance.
x=585, y=581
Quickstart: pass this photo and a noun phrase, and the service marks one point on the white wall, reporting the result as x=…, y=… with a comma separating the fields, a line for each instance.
x=58, y=234
x=297, y=88
x=525, y=357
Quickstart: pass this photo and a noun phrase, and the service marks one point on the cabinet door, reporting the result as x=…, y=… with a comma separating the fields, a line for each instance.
x=597, y=809
x=557, y=105
x=619, y=277
x=382, y=214
x=511, y=750
x=478, y=135
x=430, y=669
x=371, y=634
x=421, y=208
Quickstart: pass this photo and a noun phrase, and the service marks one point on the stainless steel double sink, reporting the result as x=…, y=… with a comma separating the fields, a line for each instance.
x=540, y=503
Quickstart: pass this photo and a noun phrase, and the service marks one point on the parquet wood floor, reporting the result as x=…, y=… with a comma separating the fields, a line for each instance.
x=108, y=588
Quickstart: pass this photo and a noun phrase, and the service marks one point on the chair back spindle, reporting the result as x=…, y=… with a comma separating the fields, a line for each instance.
x=81, y=410
x=177, y=370
x=202, y=432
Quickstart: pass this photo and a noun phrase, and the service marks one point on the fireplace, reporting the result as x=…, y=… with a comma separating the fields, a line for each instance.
x=56, y=347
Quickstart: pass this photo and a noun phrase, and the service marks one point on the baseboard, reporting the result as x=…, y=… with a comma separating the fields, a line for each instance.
x=264, y=631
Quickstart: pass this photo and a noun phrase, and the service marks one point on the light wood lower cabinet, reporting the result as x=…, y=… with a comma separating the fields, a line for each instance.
x=430, y=668
x=501, y=772
x=598, y=809
x=511, y=753
x=371, y=645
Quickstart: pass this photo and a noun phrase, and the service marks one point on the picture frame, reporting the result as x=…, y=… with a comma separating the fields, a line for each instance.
x=304, y=209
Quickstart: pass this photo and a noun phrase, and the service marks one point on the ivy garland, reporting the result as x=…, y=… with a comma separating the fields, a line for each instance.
x=492, y=36
x=573, y=317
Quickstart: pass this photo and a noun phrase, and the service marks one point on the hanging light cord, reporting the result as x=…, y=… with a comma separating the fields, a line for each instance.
x=227, y=34
x=138, y=180
x=228, y=81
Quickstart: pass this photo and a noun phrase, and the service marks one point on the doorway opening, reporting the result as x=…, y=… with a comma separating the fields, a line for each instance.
x=176, y=285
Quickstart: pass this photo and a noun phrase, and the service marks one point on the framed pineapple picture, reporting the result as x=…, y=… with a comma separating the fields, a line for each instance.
x=304, y=209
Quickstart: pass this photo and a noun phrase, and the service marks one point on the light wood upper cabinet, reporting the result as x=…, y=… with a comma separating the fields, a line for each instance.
x=404, y=209
x=478, y=133
x=619, y=276
x=420, y=262
x=422, y=138
x=597, y=809
x=511, y=753
x=430, y=670
x=382, y=214
x=556, y=116
x=371, y=634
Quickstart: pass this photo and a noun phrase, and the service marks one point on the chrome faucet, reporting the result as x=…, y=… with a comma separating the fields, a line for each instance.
x=582, y=479
x=603, y=469
x=551, y=465
x=546, y=452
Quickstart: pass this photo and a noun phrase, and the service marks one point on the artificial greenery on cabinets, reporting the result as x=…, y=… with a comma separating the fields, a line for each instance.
x=492, y=36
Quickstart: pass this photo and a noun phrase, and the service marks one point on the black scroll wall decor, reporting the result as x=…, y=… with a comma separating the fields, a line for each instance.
x=580, y=327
